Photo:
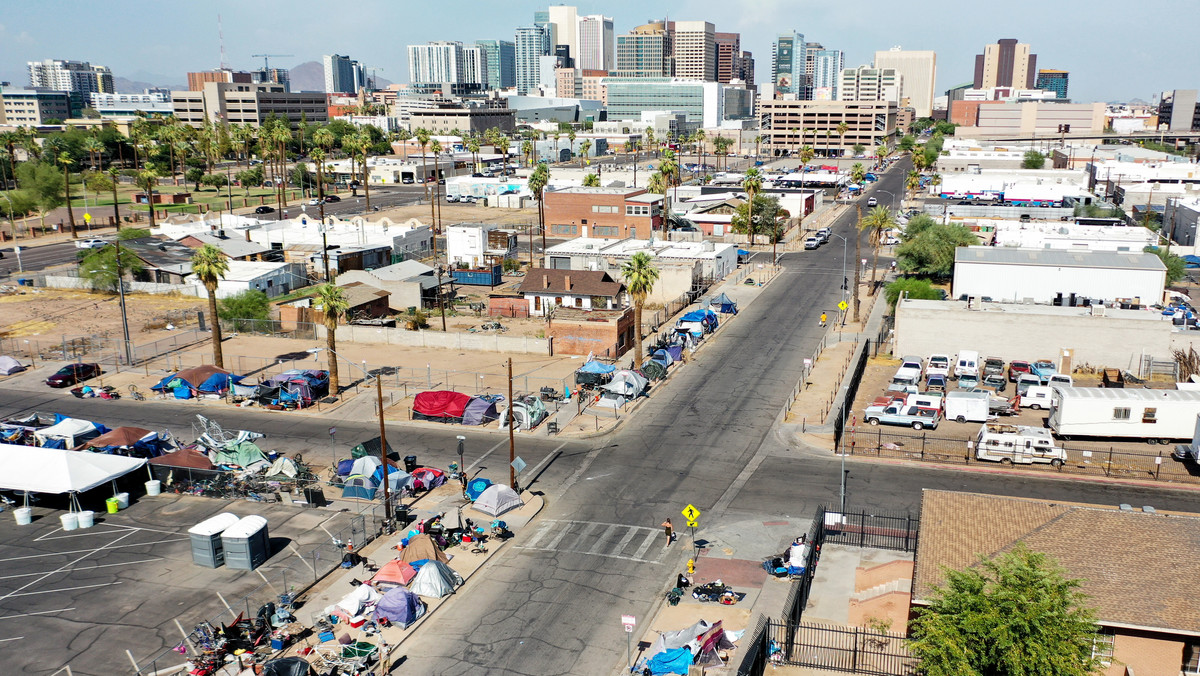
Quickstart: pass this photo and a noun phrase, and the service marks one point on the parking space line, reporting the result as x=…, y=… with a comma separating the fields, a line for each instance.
x=15, y=638
x=103, y=565
x=64, y=589
x=38, y=612
x=66, y=566
x=91, y=551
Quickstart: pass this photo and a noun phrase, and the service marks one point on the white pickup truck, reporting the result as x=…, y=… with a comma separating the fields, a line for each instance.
x=938, y=364
x=903, y=415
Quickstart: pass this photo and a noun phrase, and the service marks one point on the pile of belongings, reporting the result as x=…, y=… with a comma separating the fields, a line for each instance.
x=702, y=644
x=134, y=442
x=527, y=412
x=697, y=323
x=594, y=373
x=206, y=380
x=288, y=390
x=20, y=431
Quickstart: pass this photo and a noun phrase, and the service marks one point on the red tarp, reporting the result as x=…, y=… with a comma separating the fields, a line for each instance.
x=121, y=436
x=184, y=457
x=441, y=404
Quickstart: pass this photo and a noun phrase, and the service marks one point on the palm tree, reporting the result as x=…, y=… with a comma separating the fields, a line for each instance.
x=147, y=180
x=538, y=181
x=210, y=266
x=935, y=180
x=583, y=151
x=859, y=227
x=878, y=221
x=640, y=275
x=282, y=136
x=503, y=143
x=527, y=151
x=435, y=147
x=65, y=160
x=669, y=167
x=333, y=305
x=858, y=173
x=556, y=136
x=757, y=142
x=591, y=181
x=657, y=184
x=806, y=155
x=881, y=153
x=473, y=148
x=363, y=143
x=912, y=182
x=571, y=137
x=631, y=146
x=114, y=174
x=650, y=139
x=423, y=135
x=95, y=150
x=698, y=139
x=752, y=183
x=842, y=128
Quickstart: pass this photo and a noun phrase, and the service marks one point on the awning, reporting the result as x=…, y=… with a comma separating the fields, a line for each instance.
x=55, y=470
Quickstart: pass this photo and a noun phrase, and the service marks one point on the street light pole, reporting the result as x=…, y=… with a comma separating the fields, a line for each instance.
x=845, y=280
x=512, y=447
x=387, y=498
x=124, y=317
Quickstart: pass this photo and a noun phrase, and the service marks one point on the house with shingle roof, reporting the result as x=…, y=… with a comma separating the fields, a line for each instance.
x=1135, y=565
x=546, y=288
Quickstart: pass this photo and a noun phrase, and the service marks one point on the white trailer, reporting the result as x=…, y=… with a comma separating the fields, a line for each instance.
x=1153, y=415
x=967, y=406
x=1017, y=444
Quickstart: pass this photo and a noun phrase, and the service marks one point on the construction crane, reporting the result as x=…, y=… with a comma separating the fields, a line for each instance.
x=265, y=57
x=371, y=80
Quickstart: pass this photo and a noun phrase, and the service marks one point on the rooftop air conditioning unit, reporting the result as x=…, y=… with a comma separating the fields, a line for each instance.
x=1098, y=310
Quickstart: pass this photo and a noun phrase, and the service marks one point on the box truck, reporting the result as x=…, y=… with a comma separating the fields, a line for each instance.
x=967, y=406
x=1153, y=415
x=1017, y=444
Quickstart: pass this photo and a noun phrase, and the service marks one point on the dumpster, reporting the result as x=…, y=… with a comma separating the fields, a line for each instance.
x=207, y=549
x=247, y=544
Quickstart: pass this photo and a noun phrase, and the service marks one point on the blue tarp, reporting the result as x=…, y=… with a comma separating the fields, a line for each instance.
x=674, y=661
x=1192, y=261
x=477, y=486
x=597, y=367
x=207, y=378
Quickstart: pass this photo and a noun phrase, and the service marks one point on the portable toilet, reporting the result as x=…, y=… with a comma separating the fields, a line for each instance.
x=246, y=543
x=207, y=550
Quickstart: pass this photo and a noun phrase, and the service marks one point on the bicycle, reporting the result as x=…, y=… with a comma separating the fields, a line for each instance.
x=479, y=548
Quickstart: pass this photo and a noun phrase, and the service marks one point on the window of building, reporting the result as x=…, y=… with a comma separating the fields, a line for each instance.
x=606, y=230
x=1150, y=415
x=1102, y=646
x=559, y=229
x=537, y=303
x=1120, y=414
x=1191, y=658
x=637, y=210
x=578, y=302
x=601, y=209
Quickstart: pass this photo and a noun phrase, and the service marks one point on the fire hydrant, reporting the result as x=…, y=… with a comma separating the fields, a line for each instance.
x=691, y=566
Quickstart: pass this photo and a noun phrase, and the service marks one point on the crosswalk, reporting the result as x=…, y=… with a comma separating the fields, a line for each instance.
x=610, y=540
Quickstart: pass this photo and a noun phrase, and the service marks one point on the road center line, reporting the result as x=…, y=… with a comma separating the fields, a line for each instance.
x=480, y=458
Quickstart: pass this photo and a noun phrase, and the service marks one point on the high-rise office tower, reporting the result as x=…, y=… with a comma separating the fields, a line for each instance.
x=565, y=20
x=645, y=52
x=501, y=62
x=343, y=75
x=531, y=44
x=1006, y=64
x=1053, y=80
x=437, y=64
x=695, y=50
x=869, y=84
x=788, y=64
x=71, y=76
x=597, y=45
x=279, y=76
x=917, y=71
x=729, y=49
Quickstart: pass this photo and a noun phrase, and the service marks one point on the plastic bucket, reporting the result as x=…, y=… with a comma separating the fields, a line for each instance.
x=87, y=518
x=122, y=500
x=69, y=521
x=153, y=487
x=112, y=506
x=24, y=515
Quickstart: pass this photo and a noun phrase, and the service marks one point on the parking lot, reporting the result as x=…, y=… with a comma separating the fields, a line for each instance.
x=83, y=598
x=948, y=443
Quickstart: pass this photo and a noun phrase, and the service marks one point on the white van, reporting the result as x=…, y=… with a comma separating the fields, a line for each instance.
x=1019, y=444
x=967, y=363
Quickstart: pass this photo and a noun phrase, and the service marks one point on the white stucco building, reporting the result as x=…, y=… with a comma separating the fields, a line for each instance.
x=1042, y=275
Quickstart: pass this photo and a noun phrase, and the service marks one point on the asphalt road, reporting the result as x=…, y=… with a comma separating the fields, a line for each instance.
x=34, y=258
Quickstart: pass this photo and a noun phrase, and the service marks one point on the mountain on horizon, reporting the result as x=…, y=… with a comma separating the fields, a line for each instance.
x=310, y=77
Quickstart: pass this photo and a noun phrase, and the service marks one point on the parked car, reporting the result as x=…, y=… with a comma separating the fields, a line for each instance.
x=936, y=382
x=451, y=198
x=938, y=364
x=871, y=201
x=1043, y=369
x=995, y=382
x=93, y=243
x=1015, y=368
x=993, y=365
x=407, y=179
x=332, y=198
x=967, y=381
x=812, y=243
x=73, y=374
x=314, y=202
x=912, y=363
x=264, y=209
x=824, y=234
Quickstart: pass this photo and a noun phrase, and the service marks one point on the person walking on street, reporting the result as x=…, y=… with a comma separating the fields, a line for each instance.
x=670, y=530
x=823, y=318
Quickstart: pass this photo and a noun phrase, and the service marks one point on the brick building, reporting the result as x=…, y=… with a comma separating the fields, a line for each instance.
x=611, y=213
x=602, y=333
x=1130, y=563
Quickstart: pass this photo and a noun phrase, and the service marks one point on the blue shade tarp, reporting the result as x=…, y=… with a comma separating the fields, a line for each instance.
x=597, y=367
x=207, y=379
x=1191, y=261
x=674, y=661
x=477, y=486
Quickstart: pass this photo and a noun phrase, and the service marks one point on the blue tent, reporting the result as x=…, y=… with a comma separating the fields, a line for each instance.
x=360, y=487
x=597, y=367
x=206, y=379
x=707, y=318
x=723, y=304
x=1191, y=261
x=477, y=486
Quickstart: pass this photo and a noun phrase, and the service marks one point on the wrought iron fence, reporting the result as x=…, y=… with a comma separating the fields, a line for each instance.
x=850, y=649
x=863, y=528
x=855, y=377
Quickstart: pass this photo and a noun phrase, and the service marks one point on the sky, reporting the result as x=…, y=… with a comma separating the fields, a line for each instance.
x=1114, y=51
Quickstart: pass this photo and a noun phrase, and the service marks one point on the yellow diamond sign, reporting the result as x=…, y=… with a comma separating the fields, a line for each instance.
x=842, y=306
x=691, y=513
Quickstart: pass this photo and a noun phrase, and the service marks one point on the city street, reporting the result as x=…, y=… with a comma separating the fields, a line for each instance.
x=37, y=257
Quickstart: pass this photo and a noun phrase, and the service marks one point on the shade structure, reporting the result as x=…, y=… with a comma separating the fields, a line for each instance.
x=190, y=457
x=56, y=470
x=477, y=486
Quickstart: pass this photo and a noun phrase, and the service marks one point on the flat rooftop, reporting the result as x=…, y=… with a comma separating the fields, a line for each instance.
x=1057, y=258
x=1022, y=309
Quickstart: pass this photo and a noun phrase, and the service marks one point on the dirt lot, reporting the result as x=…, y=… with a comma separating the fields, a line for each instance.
x=54, y=313
x=948, y=443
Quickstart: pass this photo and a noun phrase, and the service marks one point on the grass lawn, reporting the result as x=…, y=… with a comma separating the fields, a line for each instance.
x=209, y=197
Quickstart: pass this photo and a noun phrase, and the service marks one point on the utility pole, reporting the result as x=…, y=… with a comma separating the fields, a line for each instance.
x=512, y=444
x=857, y=267
x=387, y=498
x=121, y=295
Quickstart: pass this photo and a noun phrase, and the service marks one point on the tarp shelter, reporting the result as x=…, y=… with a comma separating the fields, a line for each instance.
x=240, y=454
x=440, y=405
x=394, y=573
x=283, y=469
x=1191, y=261
x=435, y=580
x=429, y=477
x=206, y=379
x=359, y=487
x=707, y=318
x=723, y=303
x=497, y=499
x=477, y=486
x=480, y=411
x=711, y=644
x=627, y=383
x=673, y=661
x=287, y=666
x=422, y=547
x=190, y=457
x=594, y=373
x=654, y=370
x=354, y=603
x=9, y=366
x=126, y=441
x=56, y=470
x=400, y=607
x=68, y=433
x=527, y=412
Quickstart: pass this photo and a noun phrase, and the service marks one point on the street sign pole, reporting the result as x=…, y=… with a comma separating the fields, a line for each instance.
x=333, y=449
x=628, y=621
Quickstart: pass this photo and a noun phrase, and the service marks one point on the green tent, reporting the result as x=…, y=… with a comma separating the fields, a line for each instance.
x=242, y=454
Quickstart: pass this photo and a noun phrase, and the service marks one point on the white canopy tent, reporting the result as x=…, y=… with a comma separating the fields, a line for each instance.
x=73, y=431
x=54, y=470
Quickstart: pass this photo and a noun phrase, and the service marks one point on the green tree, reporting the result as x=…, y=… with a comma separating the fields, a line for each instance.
x=537, y=183
x=859, y=149
x=931, y=251
x=210, y=266
x=250, y=304
x=907, y=143
x=333, y=304
x=1176, y=266
x=102, y=269
x=878, y=221
x=858, y=173
x=147, y=180
x=65, y=160
x=583, y=151
x=422, y=135
x=193, y=176
x=1015, y=614
x=132, y=233
x=591, y=180
x=45, y=183
x=910, y=287
x=248, y=177
x=752, y=184
x=216, y=181
x=769, y=218
x=657, y=184
x=640, y=275
x=1033, y=160
x=19, y=203
x=302, y=177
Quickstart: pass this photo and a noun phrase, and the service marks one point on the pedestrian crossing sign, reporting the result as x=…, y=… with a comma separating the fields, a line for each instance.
x=691, y=513
x=842, y=306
